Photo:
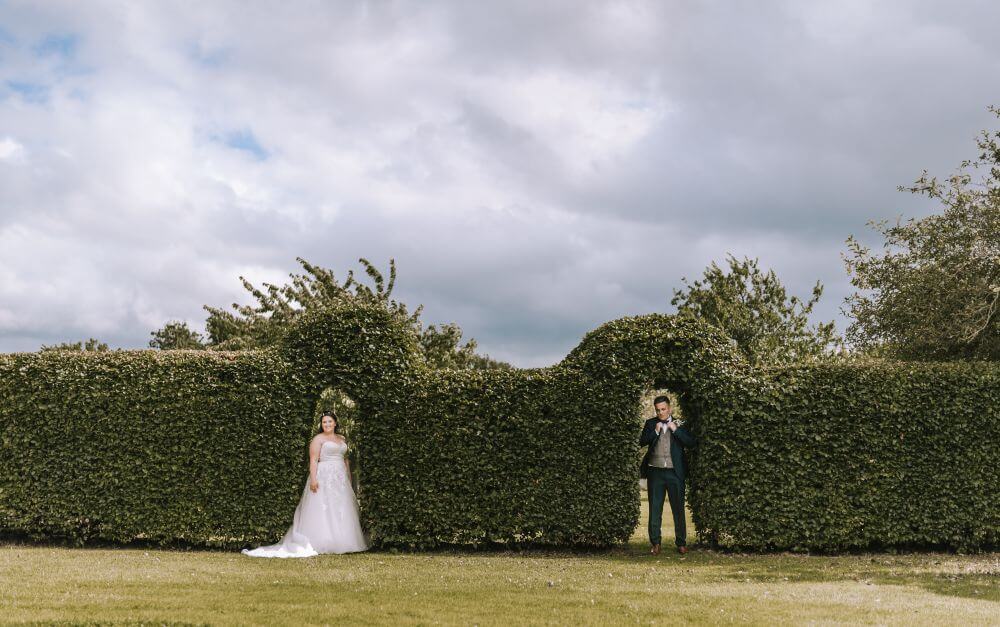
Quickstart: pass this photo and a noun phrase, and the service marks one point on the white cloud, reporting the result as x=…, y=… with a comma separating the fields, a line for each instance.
x=11, y=150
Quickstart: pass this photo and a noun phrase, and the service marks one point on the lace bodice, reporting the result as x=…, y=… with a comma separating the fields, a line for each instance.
x=332, y=451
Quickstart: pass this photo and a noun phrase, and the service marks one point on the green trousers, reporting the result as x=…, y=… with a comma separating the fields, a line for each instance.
x=660, y=483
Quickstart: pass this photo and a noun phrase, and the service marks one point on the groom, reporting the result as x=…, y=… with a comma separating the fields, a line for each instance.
x=663, y=469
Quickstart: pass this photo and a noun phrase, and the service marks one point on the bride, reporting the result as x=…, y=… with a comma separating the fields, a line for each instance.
x=326, y=520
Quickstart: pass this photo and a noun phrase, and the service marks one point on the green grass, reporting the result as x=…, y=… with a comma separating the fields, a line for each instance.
x=622, y=586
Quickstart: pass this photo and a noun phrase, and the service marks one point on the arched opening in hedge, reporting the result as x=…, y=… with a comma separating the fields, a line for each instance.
x=646, y=411
x=348, y=413
x=608, y=374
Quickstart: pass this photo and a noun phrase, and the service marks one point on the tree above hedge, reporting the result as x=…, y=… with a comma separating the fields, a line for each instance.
x=275, y=308
x=91, y=345
x=176, y=335
x=754, y=309
x=934, y=291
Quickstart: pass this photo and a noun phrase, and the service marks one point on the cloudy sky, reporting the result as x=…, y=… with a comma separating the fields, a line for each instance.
x=535, y=168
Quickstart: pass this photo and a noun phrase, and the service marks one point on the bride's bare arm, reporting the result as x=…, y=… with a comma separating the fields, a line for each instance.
x=314, y=447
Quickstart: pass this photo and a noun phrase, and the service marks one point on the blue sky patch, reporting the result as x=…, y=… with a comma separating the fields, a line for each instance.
x=213, y=58
x=244, y=140
x=57, y=45
x=34, y=93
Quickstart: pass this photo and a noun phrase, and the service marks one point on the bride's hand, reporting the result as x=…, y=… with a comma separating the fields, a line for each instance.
x=314, y=485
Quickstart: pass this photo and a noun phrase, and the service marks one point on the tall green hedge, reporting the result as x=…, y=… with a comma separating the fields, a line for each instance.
x=209, y=448
x=858, y=455
x=177, y=446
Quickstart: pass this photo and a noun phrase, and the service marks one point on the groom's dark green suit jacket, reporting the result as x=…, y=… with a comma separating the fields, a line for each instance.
x=650, y=437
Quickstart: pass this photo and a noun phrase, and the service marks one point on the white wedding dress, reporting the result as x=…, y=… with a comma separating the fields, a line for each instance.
x=326, y=521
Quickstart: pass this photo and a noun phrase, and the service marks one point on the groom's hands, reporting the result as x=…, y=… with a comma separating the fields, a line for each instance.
x=667, y=424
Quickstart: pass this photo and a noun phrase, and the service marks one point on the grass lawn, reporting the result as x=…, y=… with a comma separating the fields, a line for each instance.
x=622, y=586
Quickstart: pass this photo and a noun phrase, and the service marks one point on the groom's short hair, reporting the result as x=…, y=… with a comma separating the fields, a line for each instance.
x=661, y=399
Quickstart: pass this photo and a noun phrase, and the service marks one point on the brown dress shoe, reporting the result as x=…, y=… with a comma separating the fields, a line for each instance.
x=682, y=550
x=655, y=549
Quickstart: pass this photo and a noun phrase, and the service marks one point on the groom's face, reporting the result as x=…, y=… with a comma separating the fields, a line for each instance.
x=662, y=410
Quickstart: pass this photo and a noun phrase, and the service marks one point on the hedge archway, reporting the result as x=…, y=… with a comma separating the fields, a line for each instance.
x=537, y=456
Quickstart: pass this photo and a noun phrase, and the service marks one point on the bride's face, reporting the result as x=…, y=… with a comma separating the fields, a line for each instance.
x=329, y=424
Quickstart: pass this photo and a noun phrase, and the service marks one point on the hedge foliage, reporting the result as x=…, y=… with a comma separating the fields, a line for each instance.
x=481, y=457
x=857, y=456
x=209, y=448
x=189, y=447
